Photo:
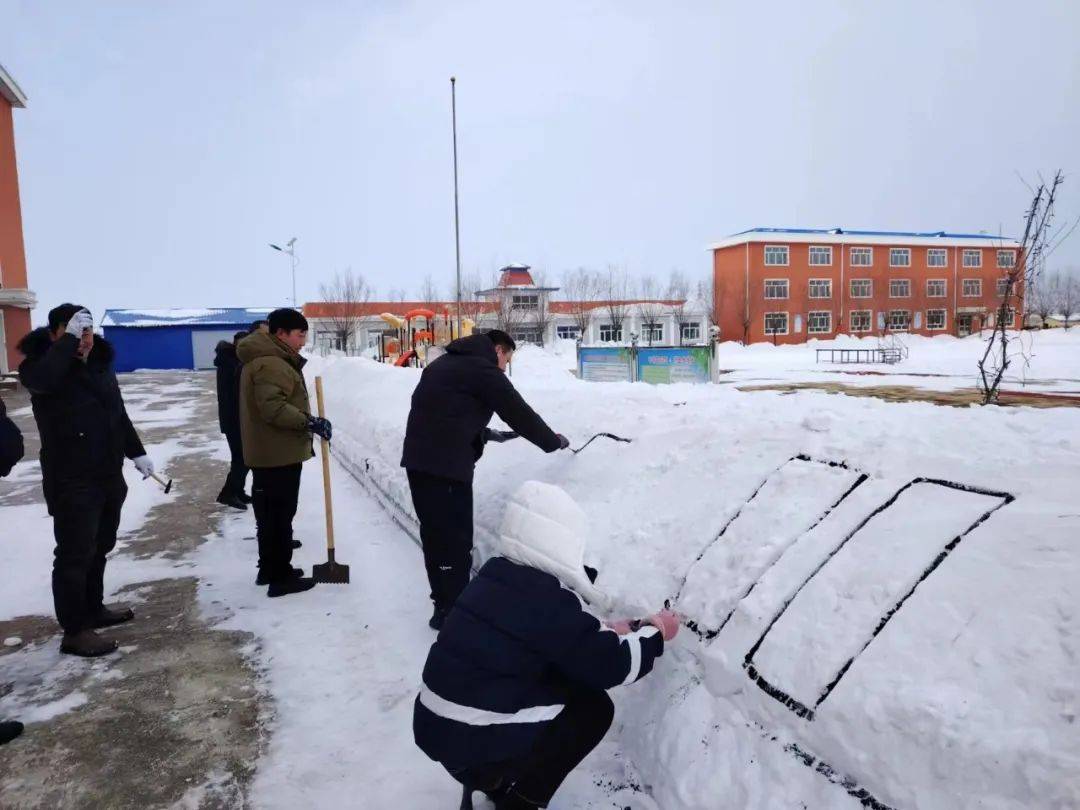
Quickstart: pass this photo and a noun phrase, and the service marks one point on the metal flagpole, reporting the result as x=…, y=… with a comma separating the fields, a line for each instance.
x=457, y=230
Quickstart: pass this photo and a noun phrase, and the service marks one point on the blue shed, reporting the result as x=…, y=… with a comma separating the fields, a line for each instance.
x=173, y=338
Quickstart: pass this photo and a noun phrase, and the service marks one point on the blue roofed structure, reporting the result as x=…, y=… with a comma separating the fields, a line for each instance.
x=174, y=338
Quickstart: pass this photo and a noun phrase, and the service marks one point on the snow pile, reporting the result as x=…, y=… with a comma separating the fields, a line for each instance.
x=867, y=638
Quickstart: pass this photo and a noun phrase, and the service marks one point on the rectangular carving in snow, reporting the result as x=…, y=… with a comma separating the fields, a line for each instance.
x=848, y=600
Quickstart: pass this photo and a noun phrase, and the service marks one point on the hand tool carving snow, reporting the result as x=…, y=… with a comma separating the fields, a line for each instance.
x=597, y=436
x=331, y=571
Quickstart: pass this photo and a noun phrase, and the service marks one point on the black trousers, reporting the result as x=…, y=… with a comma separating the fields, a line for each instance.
x=566, y=741
x=238, y=470
x=86, y=515
x=445, y=510
x=275, y=492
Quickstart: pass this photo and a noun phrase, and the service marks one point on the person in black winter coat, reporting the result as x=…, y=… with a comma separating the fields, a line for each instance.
x=445, y=437
x=11, y=451
x=85, y=435
x=228, y=398
x=514, y=689
x=11, y=442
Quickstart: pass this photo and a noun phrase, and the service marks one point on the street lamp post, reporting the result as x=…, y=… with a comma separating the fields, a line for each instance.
x=457, y=236
x=290, y=248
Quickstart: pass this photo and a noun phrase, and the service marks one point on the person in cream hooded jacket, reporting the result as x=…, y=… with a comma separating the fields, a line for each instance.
x=514, y=688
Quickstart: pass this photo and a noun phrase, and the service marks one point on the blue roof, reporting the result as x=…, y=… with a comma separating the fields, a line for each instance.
x=839, y=231
x=225, y=316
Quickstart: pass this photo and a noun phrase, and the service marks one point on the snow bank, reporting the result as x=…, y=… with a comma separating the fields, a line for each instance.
x=947, y=666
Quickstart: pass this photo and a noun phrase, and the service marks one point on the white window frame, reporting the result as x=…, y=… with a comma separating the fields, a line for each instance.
x=819, y=281
x=853, y=324
x=1011, y=316
x=999, y=288
x=944, y=287
x=656, y=330
x=941, y=253
x=977, y=282
x=975, y=255
x=869, y=291
x=868, y=252
x=1012, y=259
x=774, y=281
x=787, y=255
x=889, y=320
x=523, y=334
x=787, y=323
x=944, y=320
x=611, y=328
x=892, y=284
x=823, y=251
x=895, y=252
x=810, y=317
x=574, y=328
x=690, y=330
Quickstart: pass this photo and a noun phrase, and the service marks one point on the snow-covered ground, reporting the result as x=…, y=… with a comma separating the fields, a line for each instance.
x=865, y=654
x=848, y=655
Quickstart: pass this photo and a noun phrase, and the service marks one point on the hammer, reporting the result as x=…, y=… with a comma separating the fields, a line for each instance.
x=166, y=484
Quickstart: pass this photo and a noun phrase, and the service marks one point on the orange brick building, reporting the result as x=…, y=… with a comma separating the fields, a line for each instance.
x=16, y=299
x=791, y=285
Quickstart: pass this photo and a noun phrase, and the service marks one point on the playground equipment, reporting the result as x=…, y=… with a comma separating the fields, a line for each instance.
x=417, y=331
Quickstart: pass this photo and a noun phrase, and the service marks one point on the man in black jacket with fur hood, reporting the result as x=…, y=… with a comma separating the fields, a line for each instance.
x=445, y=437
x=85, y=435
x=228, y=367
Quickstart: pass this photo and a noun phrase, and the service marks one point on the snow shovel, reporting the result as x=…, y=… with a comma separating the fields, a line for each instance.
x=331, y=571
x=597, y=436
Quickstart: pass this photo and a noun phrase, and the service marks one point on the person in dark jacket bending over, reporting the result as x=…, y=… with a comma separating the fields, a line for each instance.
x=228, y=399
x=445, y=437
x=85, y=435
x=514, y=689
x=11, y=451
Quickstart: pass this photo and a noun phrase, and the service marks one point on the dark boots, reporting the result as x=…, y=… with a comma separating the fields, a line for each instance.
x=229, y=498
x=263, y=579
x=109, y=617
x=87, y=644
x=284, y=587
x=9, y=730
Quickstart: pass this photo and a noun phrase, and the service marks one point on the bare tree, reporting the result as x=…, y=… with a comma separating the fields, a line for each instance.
x=1042, y=298
x=581, y=290
x=616, y=291
x=1068, y=298
x=429, y=293
x=348, y=292
x=540, y=318
x=1035, y=246
x=678, y=296
x=396, y=295
x=650, y=306
x=472, y=305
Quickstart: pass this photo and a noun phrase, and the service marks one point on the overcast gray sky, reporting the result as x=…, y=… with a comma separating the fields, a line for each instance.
x=166, y=143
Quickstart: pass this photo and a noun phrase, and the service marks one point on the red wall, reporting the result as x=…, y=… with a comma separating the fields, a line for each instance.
x=733, y=265
x=12, y=250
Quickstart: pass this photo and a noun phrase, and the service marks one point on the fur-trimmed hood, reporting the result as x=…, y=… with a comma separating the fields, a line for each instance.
x=37, y=343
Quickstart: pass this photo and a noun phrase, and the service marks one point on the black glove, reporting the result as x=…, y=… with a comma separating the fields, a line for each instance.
x=563, y=441
x=499, y=435
x=320, y=427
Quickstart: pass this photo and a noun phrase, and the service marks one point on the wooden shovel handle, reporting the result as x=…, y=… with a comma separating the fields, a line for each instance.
x=326, y=472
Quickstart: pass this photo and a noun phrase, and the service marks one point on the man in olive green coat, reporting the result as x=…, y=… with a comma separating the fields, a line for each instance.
x=276, y=426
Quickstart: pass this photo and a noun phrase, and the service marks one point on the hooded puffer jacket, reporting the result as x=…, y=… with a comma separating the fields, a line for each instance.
x=452, y=405
x=520, y=637
x=84, y=427
x=274, y=406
